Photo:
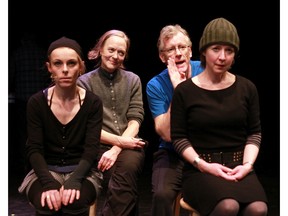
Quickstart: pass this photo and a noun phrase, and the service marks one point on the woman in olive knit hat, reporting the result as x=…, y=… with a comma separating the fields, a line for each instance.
x=216, y=128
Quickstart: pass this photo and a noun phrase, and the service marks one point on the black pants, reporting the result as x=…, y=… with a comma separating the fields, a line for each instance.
x=121, y=184
x=166, y=181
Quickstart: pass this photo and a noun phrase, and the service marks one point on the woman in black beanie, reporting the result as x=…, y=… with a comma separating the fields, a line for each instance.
x=64, y=127
x=216, y=128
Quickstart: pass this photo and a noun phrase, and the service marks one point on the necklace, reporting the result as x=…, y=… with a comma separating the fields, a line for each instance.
x=52, y=94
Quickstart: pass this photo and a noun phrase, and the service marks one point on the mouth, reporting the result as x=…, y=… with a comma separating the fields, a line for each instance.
x=179, y=62
x=65, y=79
x=220, y=66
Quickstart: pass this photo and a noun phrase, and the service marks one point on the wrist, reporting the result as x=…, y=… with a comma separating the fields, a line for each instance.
x=119, y=143
x=248, y=162
x=196, y=161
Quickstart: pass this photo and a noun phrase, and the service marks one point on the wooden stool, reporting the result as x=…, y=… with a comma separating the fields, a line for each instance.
x=92, y=210
x=177, y=204
x=186, y=206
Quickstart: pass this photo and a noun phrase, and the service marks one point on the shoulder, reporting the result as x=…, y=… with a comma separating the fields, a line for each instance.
x=184, y=86
x=89, y=73
x=91, y=95
x=163, y=75
x=195, y=63
x=245, y=85
x=244, y=81
x=93, y=98
x=128, y=73
x=37, y=99
x=196, y=67
x=87, y=78
x=130, y=78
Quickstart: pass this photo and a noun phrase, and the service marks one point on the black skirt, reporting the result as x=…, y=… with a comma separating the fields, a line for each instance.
x=203, y=191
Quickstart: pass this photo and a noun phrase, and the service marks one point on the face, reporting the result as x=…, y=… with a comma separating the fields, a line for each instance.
x=219, y=58
x=113, y=53
x=177, y=49
x=64, y=65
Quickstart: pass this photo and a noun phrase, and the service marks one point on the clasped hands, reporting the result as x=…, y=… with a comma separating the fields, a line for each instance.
x=235, y=174
x=55, y=199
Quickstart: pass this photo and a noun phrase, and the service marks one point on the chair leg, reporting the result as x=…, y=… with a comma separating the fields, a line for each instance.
x=177, y=205
x=93, y=209
x=192, y=211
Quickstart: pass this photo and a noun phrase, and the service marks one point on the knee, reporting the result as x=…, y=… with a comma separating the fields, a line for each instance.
x=261, y=211
x=133, y=167
x=164, y=196
x=231, y=209
x=75, y=209
x=134, y=164
x=227, y=207
x=132, y=158
x=256, y=208
x=36, y=203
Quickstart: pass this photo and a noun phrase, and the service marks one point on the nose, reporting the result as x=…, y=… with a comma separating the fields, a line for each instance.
x=222, y=54
x=65, y=68
x=115, y=54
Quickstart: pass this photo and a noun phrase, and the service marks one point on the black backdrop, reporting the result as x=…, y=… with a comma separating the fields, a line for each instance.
x=258, y=27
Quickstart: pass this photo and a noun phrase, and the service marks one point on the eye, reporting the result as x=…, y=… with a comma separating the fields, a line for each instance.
x=182, y=47
x=111, y=50
x=170, y=50
x=72, y=63
x=230, y=50
x=216, y=49
x=57, y=63
x=121, y=53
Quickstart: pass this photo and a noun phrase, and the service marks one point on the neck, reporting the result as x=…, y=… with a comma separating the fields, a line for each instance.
x=67, y=93
x=214, y=78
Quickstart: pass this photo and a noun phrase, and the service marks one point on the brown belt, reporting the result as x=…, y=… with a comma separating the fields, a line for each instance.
x=222, y=157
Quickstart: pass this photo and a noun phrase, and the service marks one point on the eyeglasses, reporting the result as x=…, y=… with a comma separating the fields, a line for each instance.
x=173, y=50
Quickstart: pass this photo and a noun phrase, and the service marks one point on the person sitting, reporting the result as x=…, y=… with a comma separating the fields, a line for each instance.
x=216, y=128
x=122, y=151
x=64, y=124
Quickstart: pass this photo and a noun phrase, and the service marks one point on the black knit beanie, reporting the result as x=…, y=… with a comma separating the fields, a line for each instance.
x=219, y=30
x=65, y=42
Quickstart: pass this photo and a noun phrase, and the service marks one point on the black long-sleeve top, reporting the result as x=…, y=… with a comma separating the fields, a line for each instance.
x=214, y=120
x=52, y=143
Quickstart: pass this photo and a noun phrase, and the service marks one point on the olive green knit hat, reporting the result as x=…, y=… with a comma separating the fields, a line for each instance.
x=219, y=30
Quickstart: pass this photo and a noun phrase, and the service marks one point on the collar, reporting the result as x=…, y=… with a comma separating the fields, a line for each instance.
x=108, y=75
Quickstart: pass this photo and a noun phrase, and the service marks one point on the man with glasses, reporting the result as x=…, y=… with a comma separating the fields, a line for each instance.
x=175, y=50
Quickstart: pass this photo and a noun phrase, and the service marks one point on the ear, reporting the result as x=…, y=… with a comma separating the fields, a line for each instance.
x=162, y=57
x=190, y=50
x=48, y=66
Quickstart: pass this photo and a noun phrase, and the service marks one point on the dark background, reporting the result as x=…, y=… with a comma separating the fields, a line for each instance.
x=258, y=27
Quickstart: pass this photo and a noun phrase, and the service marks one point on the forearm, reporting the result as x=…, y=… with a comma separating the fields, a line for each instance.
x=39, y=165
x=115, y=140
x=109, y=138
x=132, y=129
x=251, y=149
x=75, y=180
x=189, y=154
x=250, y=154
x=192, y=157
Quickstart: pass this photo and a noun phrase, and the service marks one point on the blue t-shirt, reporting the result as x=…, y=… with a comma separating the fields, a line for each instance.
x=159, y=91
